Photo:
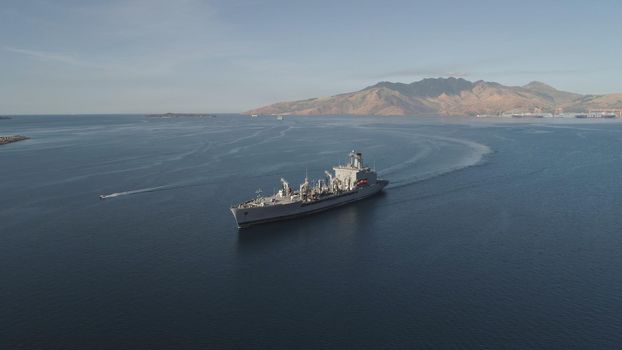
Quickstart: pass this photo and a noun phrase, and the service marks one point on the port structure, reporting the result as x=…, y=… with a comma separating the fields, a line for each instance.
x=606, y=111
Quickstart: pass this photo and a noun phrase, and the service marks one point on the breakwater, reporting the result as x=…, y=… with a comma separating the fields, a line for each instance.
x=13, y=138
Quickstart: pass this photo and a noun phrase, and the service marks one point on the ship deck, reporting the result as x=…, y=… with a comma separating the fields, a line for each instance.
x=294, y=198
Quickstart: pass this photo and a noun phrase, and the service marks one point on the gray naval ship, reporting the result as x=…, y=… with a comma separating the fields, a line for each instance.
x=350, y=183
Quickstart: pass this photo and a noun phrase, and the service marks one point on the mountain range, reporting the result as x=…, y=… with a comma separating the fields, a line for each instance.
x=445, y=96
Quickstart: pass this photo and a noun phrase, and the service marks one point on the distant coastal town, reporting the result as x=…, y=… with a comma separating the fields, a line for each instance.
x=590, y=114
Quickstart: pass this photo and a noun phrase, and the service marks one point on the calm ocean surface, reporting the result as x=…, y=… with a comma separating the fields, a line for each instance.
x=491, y=235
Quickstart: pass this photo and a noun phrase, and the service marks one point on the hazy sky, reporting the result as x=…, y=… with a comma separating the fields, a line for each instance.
x=75, y=56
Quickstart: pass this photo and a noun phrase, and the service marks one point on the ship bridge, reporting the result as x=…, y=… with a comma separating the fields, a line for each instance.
x=354, y=173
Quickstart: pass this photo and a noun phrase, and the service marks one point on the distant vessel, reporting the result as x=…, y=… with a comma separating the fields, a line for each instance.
x=350, y=183
x=596, y=115
x=254, y=115
x=602, y=115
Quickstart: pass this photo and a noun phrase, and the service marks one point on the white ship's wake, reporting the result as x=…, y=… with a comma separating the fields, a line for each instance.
x=142, y=190
x=430, y=161
x=153, y=189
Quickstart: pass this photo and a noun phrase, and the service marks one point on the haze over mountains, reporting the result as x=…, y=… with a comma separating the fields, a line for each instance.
x=445, y=96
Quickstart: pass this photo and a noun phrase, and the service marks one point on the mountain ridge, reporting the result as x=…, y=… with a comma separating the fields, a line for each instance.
x=445, y=96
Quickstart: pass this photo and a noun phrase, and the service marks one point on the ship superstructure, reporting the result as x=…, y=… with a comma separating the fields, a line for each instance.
x=350, y=182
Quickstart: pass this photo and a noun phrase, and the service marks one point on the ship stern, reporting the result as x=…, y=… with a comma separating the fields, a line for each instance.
x=238, y=215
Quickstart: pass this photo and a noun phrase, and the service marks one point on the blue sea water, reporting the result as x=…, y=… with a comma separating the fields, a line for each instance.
x=492, y=234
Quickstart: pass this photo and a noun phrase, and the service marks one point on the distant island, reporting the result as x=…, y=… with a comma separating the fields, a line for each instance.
x=4, y=117
x=180, y=115
x=451, y=97
x=13, y=138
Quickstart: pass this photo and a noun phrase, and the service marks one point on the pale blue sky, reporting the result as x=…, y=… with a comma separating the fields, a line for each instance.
x=73, y=56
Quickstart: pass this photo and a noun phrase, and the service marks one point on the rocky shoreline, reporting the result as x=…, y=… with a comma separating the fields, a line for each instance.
x=13, y=138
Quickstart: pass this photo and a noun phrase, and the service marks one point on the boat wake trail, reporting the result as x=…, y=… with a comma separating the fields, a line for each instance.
x=155, y=189
x=151, y=189
x=455, y=154
x=142, y=190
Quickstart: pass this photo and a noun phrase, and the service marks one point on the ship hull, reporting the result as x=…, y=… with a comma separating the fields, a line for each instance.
x=258, y=215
